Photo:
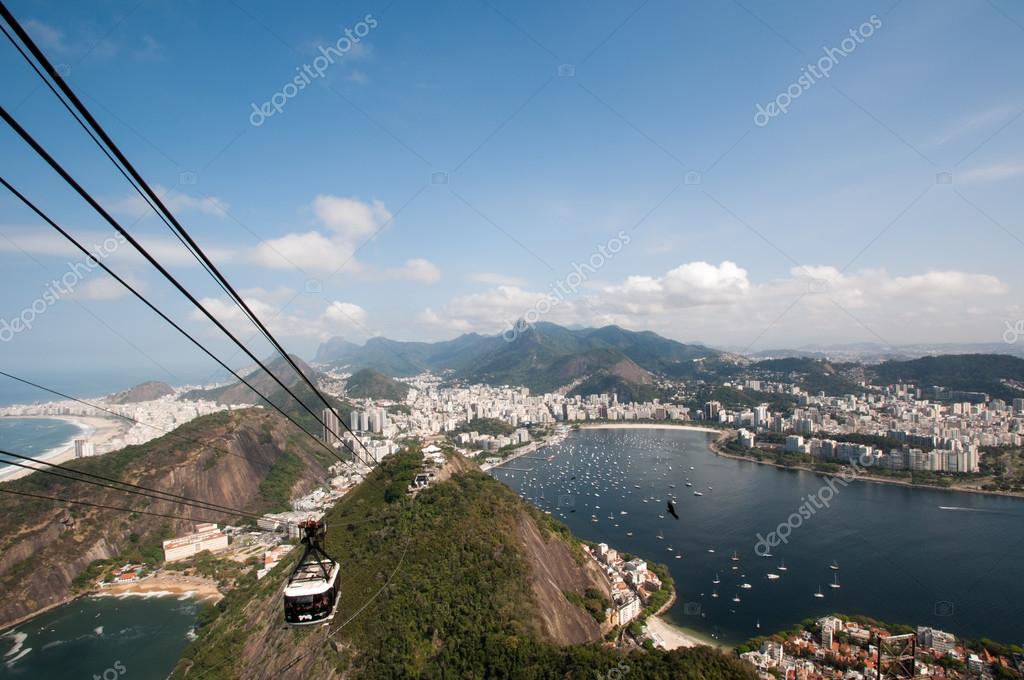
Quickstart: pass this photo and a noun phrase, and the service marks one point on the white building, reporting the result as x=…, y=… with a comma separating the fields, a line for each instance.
x=206, y=537
x=84, y=448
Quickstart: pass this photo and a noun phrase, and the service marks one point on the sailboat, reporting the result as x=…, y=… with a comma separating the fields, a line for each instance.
x=736, y=597
x=834, y=566
x=835, y=582
x=717, y=580
x=819, y=593
x=660, y=535
x=714, y=593
x=735, y=556
x=783, y=567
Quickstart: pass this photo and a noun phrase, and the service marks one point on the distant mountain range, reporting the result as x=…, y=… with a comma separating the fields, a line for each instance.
x=873, y=352
x=544, y=357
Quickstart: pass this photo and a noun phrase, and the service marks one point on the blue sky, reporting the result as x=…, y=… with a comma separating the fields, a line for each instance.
x=557, y=127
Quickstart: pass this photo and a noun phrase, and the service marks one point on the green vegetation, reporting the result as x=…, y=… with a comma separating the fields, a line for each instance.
x=370, y=384
x=491, y=426
x=591, y=600
x=449, y=590
x=965, y=372
x=276, y=488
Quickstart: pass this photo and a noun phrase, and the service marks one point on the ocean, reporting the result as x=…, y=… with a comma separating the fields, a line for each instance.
x=137, y=638
x=922, y=557
x=35, y=436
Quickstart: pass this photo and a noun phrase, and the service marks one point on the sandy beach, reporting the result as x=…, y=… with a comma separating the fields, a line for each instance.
x=673, y=637
x=106, y=434
x=166, y=584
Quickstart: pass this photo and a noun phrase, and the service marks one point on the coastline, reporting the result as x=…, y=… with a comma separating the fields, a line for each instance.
x=859, y=478
x=101, y=431
x=161, y=585
x=645, y=426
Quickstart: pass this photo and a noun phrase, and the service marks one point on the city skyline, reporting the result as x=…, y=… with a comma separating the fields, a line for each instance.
x=629, y=165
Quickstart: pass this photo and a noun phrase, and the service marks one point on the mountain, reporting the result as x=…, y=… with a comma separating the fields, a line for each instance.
x=466, y=580
x=1000, y=375
x=237, y=393
x=45, y=547
x=370, y=384
x=544, y=357
x=146, y=391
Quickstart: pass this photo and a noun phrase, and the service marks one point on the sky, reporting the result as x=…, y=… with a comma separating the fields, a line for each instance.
x=748, y=175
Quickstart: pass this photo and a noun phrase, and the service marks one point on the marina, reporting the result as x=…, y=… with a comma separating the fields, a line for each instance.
x=711, y=550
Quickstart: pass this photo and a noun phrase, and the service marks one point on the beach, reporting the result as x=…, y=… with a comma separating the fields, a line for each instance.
x=106, y=434
x=166, y=583
x=673, y=637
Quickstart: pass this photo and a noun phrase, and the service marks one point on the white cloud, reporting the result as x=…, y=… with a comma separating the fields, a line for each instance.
x=345, y=224
x=495, y=279
x=176, y=201
x=349, y=217
x=991, y=173
x=104, y=288
x=47, y=36
x=288, y=317
x=720, y=305
x=168, y=251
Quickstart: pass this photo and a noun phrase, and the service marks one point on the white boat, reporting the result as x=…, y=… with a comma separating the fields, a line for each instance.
x=782, y=566
x=746, y=586
x=834, y=566
x=835, y=582
x=773, y=577
x=697, y=493
x=736, y=598
x=735, y=556
x=714, y=593
x=819, y=593
x=717, y=580
x=711, y=550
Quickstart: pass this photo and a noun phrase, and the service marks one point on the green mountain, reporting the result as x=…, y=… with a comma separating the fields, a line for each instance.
x=999, y=375
x=146, y=391
x=465, y=580
x=368, y=383
x=237, y=393
x=259, y=463
x=543, y=357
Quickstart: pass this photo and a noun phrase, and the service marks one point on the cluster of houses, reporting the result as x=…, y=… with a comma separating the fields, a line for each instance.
x=632, y=583
x=487, y=442
x=846, y=650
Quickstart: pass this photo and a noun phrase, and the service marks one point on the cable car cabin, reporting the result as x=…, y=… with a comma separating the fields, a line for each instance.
x=312, y=591
x=310, y=597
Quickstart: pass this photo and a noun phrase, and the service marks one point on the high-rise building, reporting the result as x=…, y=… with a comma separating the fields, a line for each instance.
x=84, y=448
x=332, y=426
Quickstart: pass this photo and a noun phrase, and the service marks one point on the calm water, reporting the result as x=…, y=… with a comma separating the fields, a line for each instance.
x=949, y=560
x=132, y=638
x=34, y=436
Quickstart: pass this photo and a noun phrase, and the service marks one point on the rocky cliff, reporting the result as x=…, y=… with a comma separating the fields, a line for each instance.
x=224, y=458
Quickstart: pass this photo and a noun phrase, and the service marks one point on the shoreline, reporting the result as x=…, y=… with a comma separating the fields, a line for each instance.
x=861, y=478
x=645, y=426
x=101, y=431
x=162, y=585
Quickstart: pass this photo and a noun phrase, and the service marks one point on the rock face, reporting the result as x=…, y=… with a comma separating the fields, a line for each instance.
x=223, y=458
x=147, y=391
